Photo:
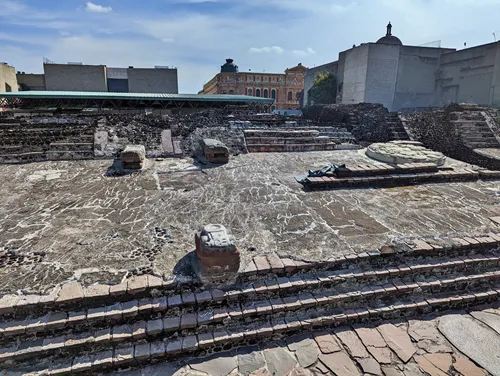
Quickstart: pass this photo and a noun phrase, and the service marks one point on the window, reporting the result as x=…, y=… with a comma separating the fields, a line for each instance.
x=266, y=93
x=269, y=79
x=254, y=78
x=290, y=96
x=231, y=91
x=257, y=92
x=250, y=92
x=8, y=89
x=273, y=94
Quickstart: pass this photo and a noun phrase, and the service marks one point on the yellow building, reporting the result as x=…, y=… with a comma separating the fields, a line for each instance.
x=8, y=80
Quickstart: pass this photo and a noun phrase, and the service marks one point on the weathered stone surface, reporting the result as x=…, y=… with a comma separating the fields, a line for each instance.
x=442, y=361
x=261, y=372
x=467, y=368
x=248, y=363
x=220, y=365
x=391, y=371
x=490, y=319
x=398, y=340
x=300, y=372
x=428, y=367
x=327, y=343
x=307, y=353
x=370, y=365
x=370, y=337
x=381, y=354
x=353, y=344
x=474, y=339
x=279, y=361
x=427, y=336
x=340, y=364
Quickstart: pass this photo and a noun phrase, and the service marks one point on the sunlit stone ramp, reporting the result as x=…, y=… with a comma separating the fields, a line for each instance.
x=146, y=319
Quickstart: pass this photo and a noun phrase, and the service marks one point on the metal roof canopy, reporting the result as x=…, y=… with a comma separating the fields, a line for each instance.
x=81, y=99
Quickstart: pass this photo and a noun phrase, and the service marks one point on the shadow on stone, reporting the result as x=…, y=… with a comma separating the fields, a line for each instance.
x=184, y=266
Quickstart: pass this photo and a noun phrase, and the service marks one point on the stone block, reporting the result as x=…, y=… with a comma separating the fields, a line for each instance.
x=215, y=151
x=133, y=157
x=216, y=253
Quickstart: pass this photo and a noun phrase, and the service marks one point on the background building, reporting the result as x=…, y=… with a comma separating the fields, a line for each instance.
x=282, y=87
x=8, y=81
x=312, y=74
x=99, y=78
x=31, y=81
x=400, y=76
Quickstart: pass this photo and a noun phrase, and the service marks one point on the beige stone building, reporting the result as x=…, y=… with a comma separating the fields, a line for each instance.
x=286, y=88
x=8, y=80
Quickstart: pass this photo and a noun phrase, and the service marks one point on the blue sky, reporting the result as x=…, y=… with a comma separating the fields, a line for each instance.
x=198, y=35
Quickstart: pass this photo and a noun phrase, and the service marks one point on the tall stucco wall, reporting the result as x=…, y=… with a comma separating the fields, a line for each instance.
x=355, y=67
x=8, y=77
x=416, y=81
x=383, y=63
x=468, y=75
x=67, y=77
x=312, y=73
x=152, y=80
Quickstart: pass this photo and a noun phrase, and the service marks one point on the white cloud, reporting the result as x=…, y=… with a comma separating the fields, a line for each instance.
x=96, y=8
x=308, y=51
x=276, y=49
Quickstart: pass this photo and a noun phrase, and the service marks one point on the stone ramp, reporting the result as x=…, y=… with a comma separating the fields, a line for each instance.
x=96, y=328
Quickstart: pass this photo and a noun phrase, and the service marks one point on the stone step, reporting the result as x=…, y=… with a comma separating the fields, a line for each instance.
x=290, y=140
x=75, y=297
x=71, y=354
x=419, y=272
x=396, y=179
x=263, y=148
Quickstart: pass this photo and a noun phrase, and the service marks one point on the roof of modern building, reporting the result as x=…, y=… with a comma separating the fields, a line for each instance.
x=389, y=38
x=134, y=96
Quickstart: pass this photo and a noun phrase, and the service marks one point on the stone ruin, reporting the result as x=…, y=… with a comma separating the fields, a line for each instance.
x=133, y=157
x=217, y=257
x=215, y=151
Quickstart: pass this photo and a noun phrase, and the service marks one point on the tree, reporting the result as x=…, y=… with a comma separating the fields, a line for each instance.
x=324, y=89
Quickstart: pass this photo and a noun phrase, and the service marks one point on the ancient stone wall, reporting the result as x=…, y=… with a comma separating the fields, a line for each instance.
x=366, y=121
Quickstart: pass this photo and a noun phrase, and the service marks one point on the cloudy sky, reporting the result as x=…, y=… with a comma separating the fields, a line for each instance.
x=198, y=35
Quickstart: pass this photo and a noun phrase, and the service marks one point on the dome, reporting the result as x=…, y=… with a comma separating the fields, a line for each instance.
x=229, y=67
x=389, y=38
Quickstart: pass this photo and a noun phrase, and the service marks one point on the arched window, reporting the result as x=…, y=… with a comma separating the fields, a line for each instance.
x=257, y=92
x=266, y=93
x=250, y=92
x=273, y=93
x=290, y=96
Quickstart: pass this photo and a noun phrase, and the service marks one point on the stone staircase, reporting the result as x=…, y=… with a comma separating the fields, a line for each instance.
x=396, y=127
x=85, y=330
x=476, y=134
x=295, y=140
x=22, y=141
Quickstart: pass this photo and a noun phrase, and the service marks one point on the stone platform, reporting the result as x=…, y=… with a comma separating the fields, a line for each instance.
x=93, y=228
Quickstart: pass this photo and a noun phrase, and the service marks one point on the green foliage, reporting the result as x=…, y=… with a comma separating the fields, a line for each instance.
x=324, y=89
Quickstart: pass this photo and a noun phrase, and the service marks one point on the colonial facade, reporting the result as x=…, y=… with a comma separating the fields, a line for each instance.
x=284, y=88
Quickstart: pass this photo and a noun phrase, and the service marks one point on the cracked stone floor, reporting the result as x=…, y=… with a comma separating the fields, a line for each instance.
x=459, y=344
x=86, y=226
